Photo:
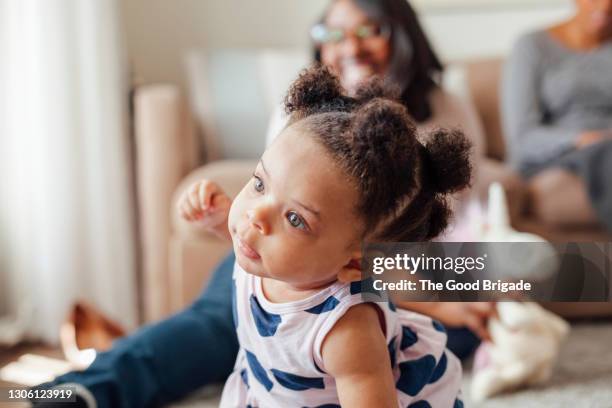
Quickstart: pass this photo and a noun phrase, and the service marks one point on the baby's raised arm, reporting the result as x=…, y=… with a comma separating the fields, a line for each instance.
x=205, y=204
x=356, y=355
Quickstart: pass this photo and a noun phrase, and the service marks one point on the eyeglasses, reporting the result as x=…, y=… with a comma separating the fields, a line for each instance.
x=322, y=34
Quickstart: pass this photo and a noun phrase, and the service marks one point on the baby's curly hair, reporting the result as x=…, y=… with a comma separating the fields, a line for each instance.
x=403, y=184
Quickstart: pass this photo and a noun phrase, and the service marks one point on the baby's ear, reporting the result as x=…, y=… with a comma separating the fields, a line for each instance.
x=351, y=272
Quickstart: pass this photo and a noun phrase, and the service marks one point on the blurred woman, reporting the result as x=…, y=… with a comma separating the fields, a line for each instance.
x=557, y=114
x=358, y=39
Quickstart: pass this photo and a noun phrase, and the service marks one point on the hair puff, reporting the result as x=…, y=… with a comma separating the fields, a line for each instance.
x=316, y=90
x=447, y=161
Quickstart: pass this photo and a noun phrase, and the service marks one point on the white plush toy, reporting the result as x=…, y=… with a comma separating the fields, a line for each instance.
x=526, y=342
x=526, y=337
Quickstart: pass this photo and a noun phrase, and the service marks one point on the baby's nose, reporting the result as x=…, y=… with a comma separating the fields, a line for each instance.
x=257, y=219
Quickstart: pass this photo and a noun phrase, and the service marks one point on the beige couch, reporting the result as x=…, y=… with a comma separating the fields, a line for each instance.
x=178, y=259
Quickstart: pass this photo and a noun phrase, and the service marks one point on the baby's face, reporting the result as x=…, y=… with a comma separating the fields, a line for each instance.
x=295, y=220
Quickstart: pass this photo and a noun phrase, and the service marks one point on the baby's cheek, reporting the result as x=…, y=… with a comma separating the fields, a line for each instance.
x=231, y=222
x=284, y=256
x=236, y=209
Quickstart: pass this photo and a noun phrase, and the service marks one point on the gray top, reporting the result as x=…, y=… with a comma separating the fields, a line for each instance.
x=550, y=94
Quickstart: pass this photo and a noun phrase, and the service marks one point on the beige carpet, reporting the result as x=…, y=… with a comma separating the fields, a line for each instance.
x=582, y=378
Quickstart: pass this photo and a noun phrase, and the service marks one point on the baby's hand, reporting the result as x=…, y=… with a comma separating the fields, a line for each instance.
x=205, y=203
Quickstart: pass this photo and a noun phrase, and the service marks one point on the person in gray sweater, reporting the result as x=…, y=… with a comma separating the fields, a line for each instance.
x=557, y=116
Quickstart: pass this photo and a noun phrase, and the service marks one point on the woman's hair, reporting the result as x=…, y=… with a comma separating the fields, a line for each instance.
x=403, y=184
x=414, y=66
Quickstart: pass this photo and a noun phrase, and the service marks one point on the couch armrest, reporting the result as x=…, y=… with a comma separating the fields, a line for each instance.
x=194, y=253
x=165, y=152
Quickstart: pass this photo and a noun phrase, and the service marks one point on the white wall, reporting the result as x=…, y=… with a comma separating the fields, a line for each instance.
x=159, y=31
x=488, y=31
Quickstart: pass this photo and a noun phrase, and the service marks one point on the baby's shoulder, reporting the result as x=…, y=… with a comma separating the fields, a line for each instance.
x=356, y=332
x=358, y=318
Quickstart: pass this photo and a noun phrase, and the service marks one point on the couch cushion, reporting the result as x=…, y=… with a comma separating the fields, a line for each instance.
x=233, y=93
x=483, y=79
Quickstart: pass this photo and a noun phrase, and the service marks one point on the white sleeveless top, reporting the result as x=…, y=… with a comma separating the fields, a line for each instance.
x=280, y=365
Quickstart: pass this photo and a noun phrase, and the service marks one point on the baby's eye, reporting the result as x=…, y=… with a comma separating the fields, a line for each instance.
x=296, y=221
x=258, y=184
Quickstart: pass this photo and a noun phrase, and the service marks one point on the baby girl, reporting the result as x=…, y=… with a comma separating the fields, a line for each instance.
x=343, y=171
